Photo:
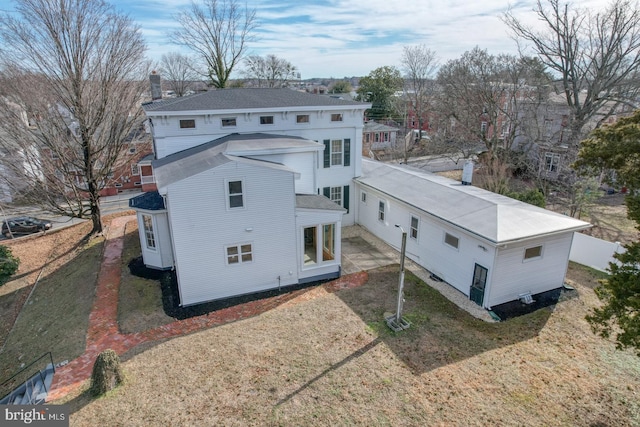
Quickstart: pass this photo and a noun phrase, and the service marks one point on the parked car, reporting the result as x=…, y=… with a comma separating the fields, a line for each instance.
x=24, y=225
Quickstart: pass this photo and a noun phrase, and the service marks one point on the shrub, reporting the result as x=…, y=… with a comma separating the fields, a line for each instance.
x=107, y=373
x=8, y=264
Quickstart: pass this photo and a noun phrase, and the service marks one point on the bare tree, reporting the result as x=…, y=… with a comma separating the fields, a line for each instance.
x=269, y=71
x=486, y=101
x=177, y=70
x=72, y=86
x=594, y=55
x=218, y=32
x=419, y=65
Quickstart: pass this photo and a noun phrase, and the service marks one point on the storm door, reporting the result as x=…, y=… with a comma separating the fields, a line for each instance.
x=477, y=286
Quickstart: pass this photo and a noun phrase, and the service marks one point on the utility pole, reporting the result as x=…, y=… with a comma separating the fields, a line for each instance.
x=395, y=321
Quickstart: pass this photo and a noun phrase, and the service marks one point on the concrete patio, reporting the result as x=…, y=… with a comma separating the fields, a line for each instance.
x=361, y=250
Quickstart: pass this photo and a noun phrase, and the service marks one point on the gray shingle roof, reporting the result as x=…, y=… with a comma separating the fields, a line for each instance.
x=494, y=217
x=313, y=201
x=247, y=98
x=378, y=127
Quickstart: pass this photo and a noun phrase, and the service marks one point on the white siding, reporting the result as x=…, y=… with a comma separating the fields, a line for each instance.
x=202, y=227
x=513, y=275
x=455, y=266
x=162, y=256
x=303, y=163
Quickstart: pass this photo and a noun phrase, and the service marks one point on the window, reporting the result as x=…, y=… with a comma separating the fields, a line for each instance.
x=302, y=118
x=132, y=150
x=413, y=231
x=266, y=120
x=386, y=137
x=336, y=117
x=328, y=242
x=309, y=245
x=551, y=162
x=534, y=252
x=147, y=223
x=363, y=197
x=336, y=195
x=381, y=205
x=235, y=193
x=229, y=121
x=483, y=128
x=135, y=170
x=336, y=152
x=451, y=240
x=366, y=137
x=238, y=254
x=187, y=124
x=377, y=137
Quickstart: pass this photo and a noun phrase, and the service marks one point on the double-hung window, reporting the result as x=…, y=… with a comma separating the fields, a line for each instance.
x=235, y=193
x=381, y=211
x=337, y=152
x=413, y=230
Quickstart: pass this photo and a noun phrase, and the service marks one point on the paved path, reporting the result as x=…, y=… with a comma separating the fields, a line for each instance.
x=103, y=332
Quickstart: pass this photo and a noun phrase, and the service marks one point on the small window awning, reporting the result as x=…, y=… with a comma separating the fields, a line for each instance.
x=150, y=201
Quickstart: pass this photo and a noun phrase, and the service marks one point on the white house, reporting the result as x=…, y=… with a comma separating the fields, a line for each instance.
x=491, y=248
x=254, y=186
x=242, y=176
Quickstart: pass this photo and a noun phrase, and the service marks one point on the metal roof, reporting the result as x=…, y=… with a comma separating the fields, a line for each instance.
x=247, y=98
x=496, y=218
x=151, y=201
x=186, y=163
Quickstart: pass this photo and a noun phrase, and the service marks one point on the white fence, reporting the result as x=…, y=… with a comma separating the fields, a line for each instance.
x=593, y=252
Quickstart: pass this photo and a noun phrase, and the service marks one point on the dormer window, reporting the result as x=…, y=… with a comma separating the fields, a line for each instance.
x=187, y=124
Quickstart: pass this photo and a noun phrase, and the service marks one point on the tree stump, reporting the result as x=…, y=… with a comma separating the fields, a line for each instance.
x=107, y=373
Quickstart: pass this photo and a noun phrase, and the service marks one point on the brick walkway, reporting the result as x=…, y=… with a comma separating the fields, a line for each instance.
x=103, y=332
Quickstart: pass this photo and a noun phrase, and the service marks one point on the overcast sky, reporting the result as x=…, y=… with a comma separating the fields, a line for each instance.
x=337, y=38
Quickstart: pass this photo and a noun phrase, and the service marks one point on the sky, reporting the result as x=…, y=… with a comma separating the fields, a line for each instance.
x=344, y=38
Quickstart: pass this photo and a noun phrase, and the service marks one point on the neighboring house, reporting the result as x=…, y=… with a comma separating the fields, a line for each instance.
x=491, y=248
x=377, y=137
x=254, y=186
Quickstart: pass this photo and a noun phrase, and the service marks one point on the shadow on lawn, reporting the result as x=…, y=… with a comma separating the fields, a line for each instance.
x=441, y=333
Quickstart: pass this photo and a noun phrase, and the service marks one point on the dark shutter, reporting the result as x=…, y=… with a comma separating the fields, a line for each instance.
x=345, y=197
x=327, y=192
x=347, y=152
x=327, y=153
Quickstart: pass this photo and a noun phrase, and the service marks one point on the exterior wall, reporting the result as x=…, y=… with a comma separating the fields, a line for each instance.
x=162, y=256
x=455, y=266
x=513, y=275
x=203, y=226
x=308, y=218
x=169, y=138
x=303, y=163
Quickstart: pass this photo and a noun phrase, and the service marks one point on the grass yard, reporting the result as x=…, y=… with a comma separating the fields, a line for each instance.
x=55, y=317
x=331, y=360
x=140, y=300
